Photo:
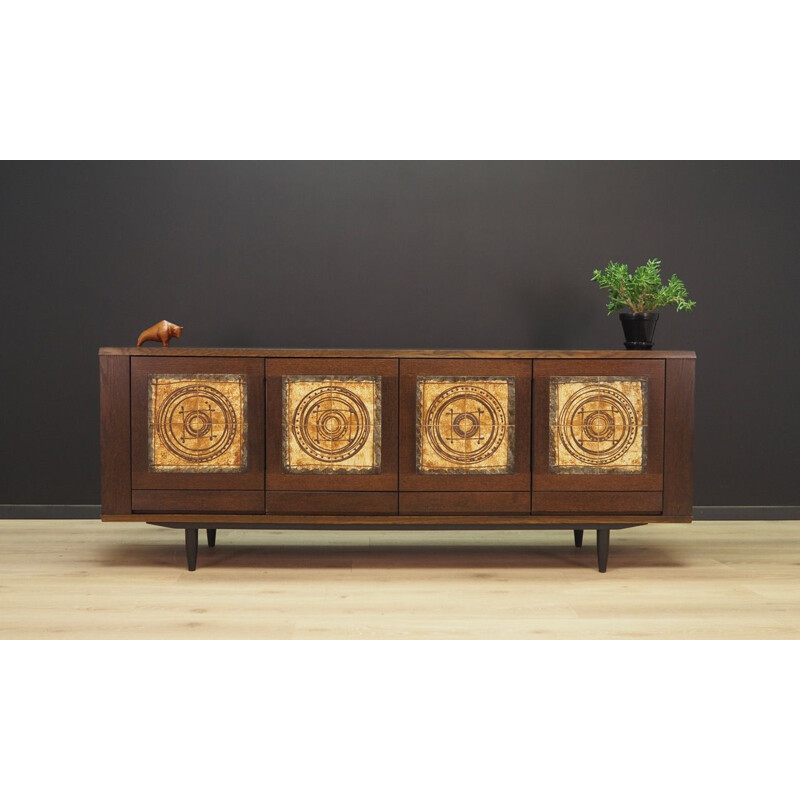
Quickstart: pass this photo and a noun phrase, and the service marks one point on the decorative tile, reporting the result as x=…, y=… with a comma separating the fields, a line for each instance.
x=598, y=425
x=197, y=423
x=331, y=424
x=465, y=426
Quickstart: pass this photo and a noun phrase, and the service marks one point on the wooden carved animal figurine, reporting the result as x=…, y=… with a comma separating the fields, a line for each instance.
x=160, y=332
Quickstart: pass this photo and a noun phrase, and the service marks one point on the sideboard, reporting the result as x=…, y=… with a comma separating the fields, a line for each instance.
x=422, y=439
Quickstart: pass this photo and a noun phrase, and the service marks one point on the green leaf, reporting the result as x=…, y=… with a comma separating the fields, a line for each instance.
x=643, y=290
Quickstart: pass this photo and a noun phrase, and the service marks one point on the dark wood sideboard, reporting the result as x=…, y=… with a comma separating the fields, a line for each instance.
x=439, y=439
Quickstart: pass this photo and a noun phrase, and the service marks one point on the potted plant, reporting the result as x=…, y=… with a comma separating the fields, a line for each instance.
x=642, y=292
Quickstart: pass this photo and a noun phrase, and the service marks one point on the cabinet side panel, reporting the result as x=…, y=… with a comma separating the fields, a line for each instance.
x=115, y=435
x=678, y=436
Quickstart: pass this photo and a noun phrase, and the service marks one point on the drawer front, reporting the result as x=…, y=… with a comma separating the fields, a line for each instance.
x=197, y=423
x=325, y=503
x=212, y=501
x=579, y=503
x=465, y=425
x=598, y=425
x=460, y=503
x=331, y=424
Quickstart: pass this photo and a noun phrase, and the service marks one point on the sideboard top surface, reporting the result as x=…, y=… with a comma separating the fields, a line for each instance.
x=257, y=352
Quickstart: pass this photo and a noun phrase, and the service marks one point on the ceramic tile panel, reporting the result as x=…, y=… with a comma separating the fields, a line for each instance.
x=465, y=426
x=332, y=424
x=598, y=425
x=197, y=423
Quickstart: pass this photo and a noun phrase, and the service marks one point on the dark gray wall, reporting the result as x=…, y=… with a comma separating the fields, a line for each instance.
x=479, y=255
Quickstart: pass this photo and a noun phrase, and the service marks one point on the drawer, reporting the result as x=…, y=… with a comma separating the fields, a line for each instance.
x=597, y=502
x=459, y=503
x=332, y=503
x=191, y=502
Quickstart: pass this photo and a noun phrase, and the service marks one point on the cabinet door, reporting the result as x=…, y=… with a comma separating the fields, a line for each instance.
x=197, y=434
x=465, y=428
x=598, y=435
x=331, y=435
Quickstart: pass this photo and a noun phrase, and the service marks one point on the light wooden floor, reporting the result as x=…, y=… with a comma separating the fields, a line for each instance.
x=79, y=579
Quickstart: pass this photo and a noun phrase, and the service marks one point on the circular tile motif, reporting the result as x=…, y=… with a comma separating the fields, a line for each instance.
x=196, y=423
x=331, y=424
x=598, y=425
x=465, y=424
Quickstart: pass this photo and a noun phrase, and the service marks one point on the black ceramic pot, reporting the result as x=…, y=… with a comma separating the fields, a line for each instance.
x=639, y=329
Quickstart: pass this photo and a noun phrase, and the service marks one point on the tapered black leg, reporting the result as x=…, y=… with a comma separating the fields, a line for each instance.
x=212, y=536
x=578, y=538
x=603, y=535
x=191, y=548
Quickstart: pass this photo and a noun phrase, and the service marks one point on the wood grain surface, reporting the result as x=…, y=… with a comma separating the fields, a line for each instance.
x=433, y=521
x=78, y=579
x=309, y=499
x=204, y=501
x=679, y=443
x=256, y=352
x=579, y=503
x=115, y=435
x=303, y=503
x=480, y=503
